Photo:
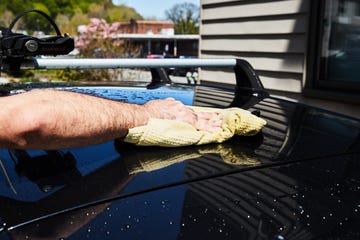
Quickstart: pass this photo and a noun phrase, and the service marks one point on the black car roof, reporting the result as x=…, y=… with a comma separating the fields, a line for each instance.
x=297, y=179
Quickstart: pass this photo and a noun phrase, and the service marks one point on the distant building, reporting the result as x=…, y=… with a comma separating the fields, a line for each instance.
x=148, y=27
x=158, y=40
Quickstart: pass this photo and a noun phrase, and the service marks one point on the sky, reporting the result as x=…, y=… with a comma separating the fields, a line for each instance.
x=153, y=8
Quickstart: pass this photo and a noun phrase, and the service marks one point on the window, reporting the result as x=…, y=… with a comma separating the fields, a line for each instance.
x=335, y=47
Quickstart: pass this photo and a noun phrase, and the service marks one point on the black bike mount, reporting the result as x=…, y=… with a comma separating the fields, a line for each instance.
x=248, y=85
x=14, y=47
x=159, y=77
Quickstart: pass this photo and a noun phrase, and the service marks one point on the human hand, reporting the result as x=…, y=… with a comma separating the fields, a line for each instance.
x=209, y=121
x=172, y=109
x=175, y=110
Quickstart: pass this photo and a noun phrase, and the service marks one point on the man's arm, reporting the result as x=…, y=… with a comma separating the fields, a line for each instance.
x=48, y=119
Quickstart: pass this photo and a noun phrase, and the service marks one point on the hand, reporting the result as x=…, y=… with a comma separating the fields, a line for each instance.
x=209, y=121
x=175, y=110
x=172, y=109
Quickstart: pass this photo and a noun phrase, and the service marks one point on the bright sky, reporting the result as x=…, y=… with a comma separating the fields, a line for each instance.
x=153, y=8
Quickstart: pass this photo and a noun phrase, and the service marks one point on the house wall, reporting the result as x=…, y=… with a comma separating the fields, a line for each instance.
x=271, y=35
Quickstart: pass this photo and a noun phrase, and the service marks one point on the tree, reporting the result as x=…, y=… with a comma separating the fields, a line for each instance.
x=79, y=18
x=185, y=17
x=96, y=11
x=99, y=39
x=121, y=14
x=77, y=11
x=6, y=18
x=63, y=23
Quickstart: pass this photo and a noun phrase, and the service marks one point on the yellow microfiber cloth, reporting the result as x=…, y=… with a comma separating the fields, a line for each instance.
x=174, y=133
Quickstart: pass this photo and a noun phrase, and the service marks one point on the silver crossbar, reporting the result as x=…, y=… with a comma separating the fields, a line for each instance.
x=99, y=63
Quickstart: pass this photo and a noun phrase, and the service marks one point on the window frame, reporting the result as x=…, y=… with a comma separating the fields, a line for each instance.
x=315, y=83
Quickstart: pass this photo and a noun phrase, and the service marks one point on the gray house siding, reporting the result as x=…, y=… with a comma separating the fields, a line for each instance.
x=271, y=35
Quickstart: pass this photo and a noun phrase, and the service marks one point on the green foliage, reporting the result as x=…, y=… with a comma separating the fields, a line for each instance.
x=186, y=27
x=28, y=79
x=70, y=13
x=6, y=18
x=22, y=74
x=121, y=14
x=67, y=75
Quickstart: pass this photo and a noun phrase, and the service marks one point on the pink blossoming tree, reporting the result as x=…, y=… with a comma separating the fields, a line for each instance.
x=99, y=39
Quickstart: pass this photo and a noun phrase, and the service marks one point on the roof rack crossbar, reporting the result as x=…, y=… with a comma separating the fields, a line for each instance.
x=111, y=63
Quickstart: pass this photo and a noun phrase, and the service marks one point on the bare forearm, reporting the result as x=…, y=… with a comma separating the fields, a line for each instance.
x=47, y=119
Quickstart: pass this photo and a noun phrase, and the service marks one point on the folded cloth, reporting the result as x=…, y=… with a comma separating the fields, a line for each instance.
x=175, y=133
